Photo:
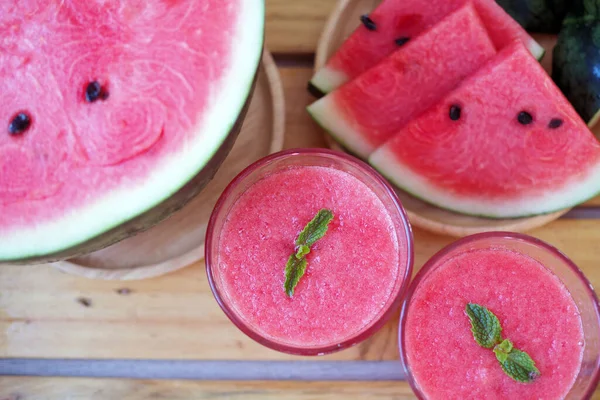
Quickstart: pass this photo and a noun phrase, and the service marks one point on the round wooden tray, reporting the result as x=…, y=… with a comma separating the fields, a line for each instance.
x=179, y=241
x=344, y=19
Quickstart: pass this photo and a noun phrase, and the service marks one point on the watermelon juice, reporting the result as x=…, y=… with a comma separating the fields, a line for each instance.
x=355, y=274
x=545, y=307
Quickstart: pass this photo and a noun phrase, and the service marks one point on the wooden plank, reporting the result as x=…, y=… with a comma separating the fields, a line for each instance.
x=102, y=389
x=595, y=202
x=301, y=130
x=175, y=316
x=295, y=26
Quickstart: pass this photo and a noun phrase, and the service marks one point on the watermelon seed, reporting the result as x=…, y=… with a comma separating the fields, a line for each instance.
x=95, y=91
x=368, y=22
x=524, y=118
x=455, y=112
x=402, y=40
x=555, y=123
x=19, y=124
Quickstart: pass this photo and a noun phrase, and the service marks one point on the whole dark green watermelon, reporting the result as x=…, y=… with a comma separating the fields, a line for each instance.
x=576, y=65
x=543, y=16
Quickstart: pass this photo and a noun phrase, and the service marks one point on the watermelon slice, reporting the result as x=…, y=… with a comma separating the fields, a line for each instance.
x=368, y=110
x=116, y=114
x=506, y=143
x=394, y=21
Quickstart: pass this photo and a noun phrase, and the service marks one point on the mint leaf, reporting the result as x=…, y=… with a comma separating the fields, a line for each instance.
x=312, y=232
x=503, y=349
x=315, y=229
x=484, y=325
x=303, y=251
x=519, y=366
x=487, y=332
x=294, y=270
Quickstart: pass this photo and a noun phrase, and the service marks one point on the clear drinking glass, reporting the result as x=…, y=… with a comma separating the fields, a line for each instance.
x=575, y=281
x=299, y=158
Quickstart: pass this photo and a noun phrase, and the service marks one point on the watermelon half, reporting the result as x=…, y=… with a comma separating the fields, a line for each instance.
x=394, y=21
x=370, y=109
x=506, y=143
x=116, y=114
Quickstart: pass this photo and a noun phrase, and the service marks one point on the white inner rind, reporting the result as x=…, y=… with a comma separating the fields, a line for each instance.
x=570, y=194
x=170, y=173
x=536, y=49
x=326, y=113
x=327, y=79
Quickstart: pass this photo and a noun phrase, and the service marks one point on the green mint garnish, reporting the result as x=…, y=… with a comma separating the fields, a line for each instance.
x=520, y=366
x=487, y=332
x=484, y=325
x=296, y=264
x=315, y=229
x=294, y=270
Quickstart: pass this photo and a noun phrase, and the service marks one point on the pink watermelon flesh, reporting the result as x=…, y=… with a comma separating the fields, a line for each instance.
x=160, y=65
x=367, y=111
x=491, y=161
x=396, y=19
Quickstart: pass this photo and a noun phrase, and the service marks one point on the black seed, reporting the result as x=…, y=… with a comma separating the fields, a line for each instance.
x=94, y=91
x=555, y=123
x=19, y=124
x=455, y=112
x=123, y=291
x=84, y=301
x=524, y=118
x=368, y=22
x=402, y=40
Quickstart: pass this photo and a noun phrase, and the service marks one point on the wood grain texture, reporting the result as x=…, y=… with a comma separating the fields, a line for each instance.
x=103, y=389
x=45, y=313
x=295, y=26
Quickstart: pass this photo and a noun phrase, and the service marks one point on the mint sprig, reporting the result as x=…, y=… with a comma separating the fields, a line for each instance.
x=484, y=325
x=487, y=332
x=296, y=264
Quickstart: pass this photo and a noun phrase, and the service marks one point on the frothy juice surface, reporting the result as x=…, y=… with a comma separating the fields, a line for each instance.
x=536, y=313
x=352, y=273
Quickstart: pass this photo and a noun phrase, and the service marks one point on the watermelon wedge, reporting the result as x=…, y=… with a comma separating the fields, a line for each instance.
x=370, y=109
x=506, y=143
x=116, y=114
x=394, y=21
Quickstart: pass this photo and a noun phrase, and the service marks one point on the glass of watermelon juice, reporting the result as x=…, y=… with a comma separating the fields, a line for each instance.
x=545, y=307
x=355, y=275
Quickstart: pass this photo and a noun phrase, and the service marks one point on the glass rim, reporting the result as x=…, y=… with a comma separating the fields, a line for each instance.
x=429, y=264
x=372, y=327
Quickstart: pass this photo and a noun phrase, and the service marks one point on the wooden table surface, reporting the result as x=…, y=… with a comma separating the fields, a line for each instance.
x=81, y=334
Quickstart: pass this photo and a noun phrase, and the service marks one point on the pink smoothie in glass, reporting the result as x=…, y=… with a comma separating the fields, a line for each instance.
x=536, y=312
x=353, y=272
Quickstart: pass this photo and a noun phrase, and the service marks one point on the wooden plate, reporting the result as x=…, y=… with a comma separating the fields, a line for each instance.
x=343, y=20
x=179, y=241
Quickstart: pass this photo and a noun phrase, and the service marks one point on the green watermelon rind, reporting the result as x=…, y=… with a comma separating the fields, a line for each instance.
x=574, y=68
x=538, y=16
x=386, y=163
x=328, y=79
x=324, y=112
x=85, y=232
